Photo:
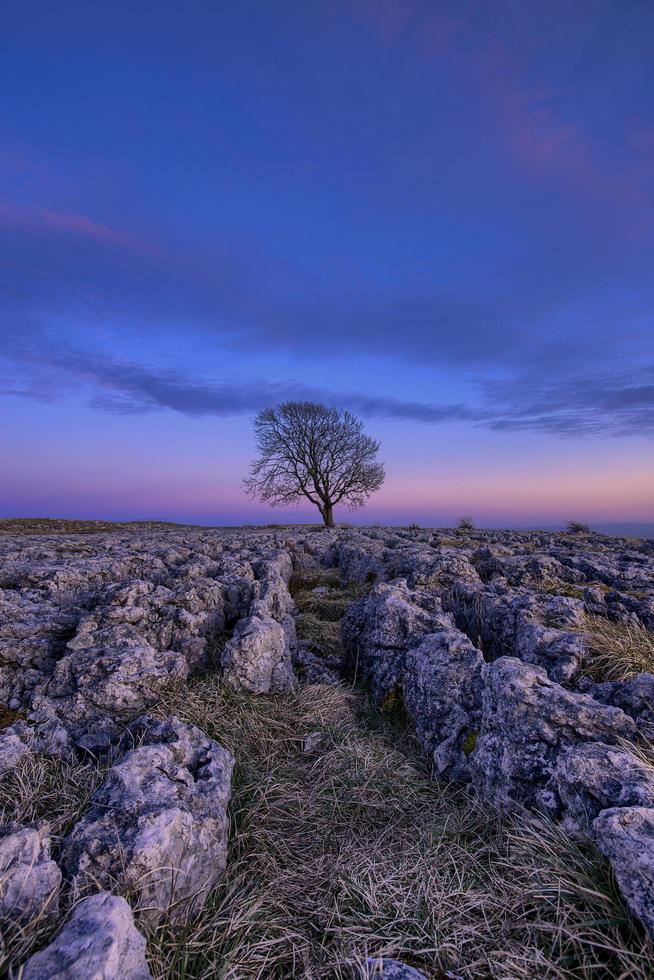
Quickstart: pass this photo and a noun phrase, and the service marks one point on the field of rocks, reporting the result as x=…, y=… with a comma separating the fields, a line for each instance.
x=292, y=752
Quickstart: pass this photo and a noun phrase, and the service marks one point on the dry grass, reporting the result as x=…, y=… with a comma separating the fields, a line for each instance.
x=353, y=850
x=327, y=636
x=617, y=651
x=41, y=789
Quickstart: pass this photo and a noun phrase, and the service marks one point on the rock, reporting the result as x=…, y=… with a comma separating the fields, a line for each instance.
x=386, y=969
x=316, y=667
x=442, y=693
x=29, y=878
x=157, y=827
x=258, y=657
x=635, y=697
x=311, y=742
x=12, y=750
x=379, y=629
x=527, y=720
x=99, y=942
x=592, y=777
x=112, y=672
x=626, y=837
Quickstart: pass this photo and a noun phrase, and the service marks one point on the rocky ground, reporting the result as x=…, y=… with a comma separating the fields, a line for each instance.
x=279, y=752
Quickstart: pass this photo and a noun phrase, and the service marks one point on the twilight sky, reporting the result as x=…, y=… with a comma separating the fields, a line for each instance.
x=438, y=214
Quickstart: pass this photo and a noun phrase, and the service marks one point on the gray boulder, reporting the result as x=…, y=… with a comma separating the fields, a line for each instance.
x=593, y=777
x=99, y=942
x=12, y=750
x=110, y=673
x=387, y=969
x=157, y=827
x=442, y=693
x=635, y=697
x=626, y=837
x=527, y=720
x=29, y=878
x=379, y=629
x=258, y=657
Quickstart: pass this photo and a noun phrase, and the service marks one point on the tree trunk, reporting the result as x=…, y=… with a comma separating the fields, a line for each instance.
x=328, y=515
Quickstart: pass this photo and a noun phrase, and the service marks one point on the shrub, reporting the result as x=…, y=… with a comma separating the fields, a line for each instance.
x=577, y=527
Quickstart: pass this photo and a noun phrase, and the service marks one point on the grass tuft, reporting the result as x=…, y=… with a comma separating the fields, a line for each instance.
x=617, y=651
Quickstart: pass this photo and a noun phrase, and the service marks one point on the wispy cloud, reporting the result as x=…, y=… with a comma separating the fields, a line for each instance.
x=582, y=406
x=35, y=220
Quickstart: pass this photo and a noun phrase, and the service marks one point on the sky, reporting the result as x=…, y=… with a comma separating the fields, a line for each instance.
x=439, y=215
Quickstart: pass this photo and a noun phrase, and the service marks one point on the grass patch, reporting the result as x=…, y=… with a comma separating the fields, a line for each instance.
x=40, y=788
x=353, y=851
x=617, y=651
x=330, y=606
x=551, y=587
x=326, y=635
x=306, y=580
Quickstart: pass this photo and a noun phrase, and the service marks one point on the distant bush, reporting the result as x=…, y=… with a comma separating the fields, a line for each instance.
x=413, y=527
x=578, y=527
x=465, y=524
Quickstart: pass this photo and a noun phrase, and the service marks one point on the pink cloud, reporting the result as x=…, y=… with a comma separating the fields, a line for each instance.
x=546, y=144
x=36, y=220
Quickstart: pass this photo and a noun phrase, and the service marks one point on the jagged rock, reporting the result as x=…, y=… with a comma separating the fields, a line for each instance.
x=111, y=672
x=312, y=742
x=42, y=733
x=258, y=657
x=12, y=750
x=626, y=837
x=527, y=720
x=157, y=827
x=29, y=878
x=33, y=629
x=315, y=667
x=99, y=942
x=379, y=629
x=593, y=777
x=386, y=969
x=635, y=697
x=442, y=692
x=517, y=623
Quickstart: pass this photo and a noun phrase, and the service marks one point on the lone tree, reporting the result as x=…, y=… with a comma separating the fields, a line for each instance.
x=308, y=450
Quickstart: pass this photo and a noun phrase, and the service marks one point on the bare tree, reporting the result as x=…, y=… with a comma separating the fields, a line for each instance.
x=308, y=450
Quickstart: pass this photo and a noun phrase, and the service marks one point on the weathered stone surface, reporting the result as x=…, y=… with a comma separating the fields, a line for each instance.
x=33, y=629
x=12, y=750
x=99, y=942
x=314, y=667
x=386, y=969
x=112, y=672
x=29, y=878
x=592, y=777
x=635, y=697
x=626, y=837
x=379, y=629
x=527, y=720
x=518, y=623
x=442, y=693
x=258, y=657
x=157, y=827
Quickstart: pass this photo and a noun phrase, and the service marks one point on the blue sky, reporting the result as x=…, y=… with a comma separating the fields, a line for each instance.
x=440, y=215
